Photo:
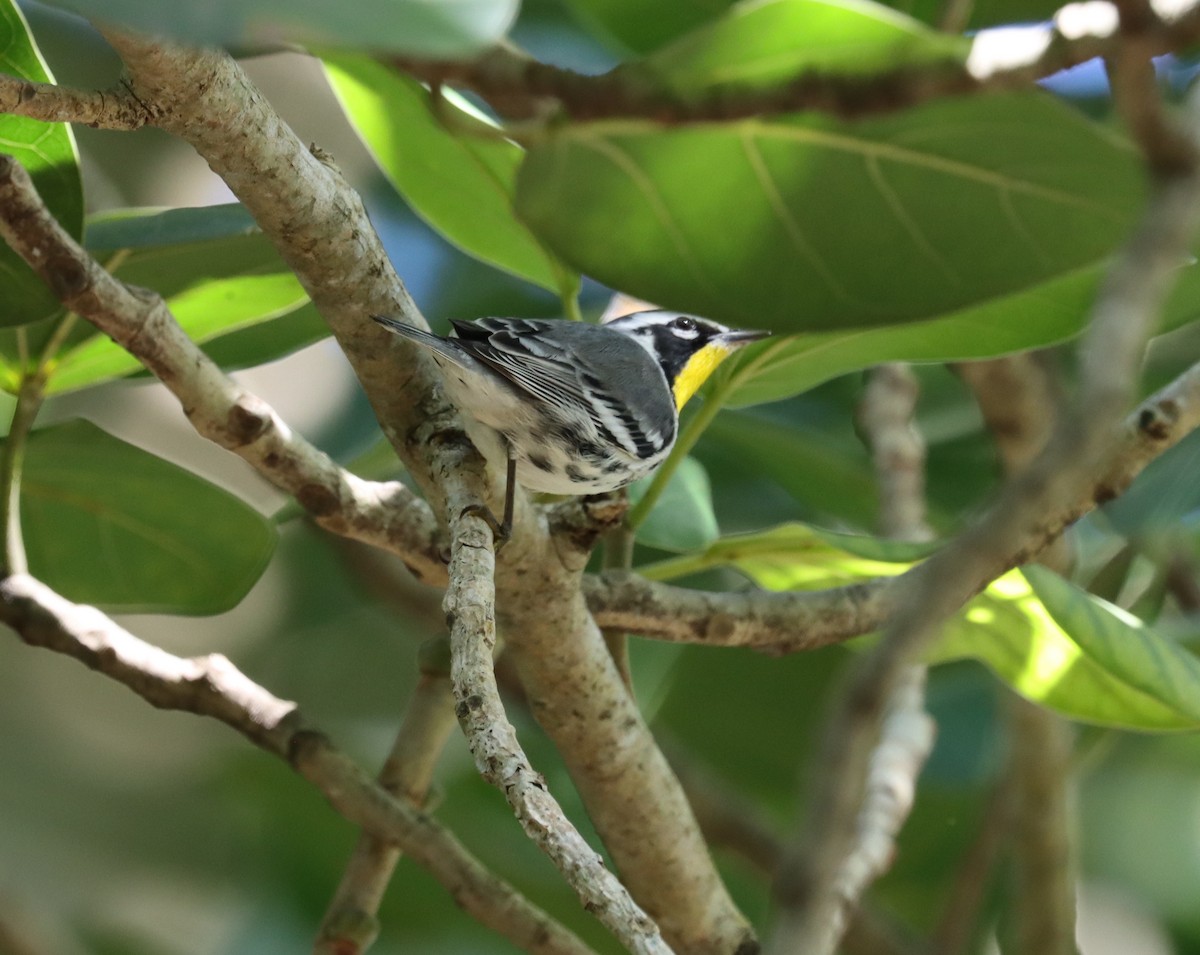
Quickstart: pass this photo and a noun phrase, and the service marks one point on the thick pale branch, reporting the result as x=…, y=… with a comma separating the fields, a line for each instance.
x=520, y=87
x=116, y=108
x=212, y=686
x=217, y=407
x=470, y=611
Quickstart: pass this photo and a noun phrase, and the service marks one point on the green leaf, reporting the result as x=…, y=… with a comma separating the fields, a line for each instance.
x=128, y=229
x=822, y=473
x=826, y=225
x=47, y=151
x=1047, y=314
x=683, y=519
x=109, y=524
x=460, y=182
x=216, y=271
x=431, y=28
x=982, y=13
x=643, y=27
x=1076, y=654
x=788, y=557
x=269, y=340
x=769, y=42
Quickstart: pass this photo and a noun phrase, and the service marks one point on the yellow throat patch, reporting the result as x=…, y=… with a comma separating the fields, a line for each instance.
x=696, y=372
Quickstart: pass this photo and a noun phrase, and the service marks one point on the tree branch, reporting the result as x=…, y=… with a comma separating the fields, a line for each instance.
x=906, y=731
x=1019, y=395
x=116, y=108
x=469, y=606
x=519, y=87
x=885, y=416
x=321, y=229
x=212, y=686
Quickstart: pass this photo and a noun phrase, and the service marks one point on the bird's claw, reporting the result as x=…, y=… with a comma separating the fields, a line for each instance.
x=501, y=530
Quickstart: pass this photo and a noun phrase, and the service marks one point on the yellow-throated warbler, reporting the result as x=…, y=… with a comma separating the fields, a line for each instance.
x=576, y=408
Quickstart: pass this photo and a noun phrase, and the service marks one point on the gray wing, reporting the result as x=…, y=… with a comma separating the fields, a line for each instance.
x=580, y=369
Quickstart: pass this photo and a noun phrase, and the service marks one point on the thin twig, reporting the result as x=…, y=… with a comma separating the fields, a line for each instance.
x=906, y=732
x=1043, y=877
x=115, y=108
x=1135, y=90
x=351, y=922
x=212, y=686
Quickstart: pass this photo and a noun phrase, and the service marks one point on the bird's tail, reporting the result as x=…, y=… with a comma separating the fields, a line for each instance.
x=442, y=346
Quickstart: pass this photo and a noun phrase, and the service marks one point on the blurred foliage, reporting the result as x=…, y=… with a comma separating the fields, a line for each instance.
x=963, y=229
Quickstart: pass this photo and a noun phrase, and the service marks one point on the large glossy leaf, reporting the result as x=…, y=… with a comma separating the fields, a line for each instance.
x=109, y=524
x=804, y=224
x=460, y=181
x=1074, y=654
x=433, y=28
x=980, y=13
x=1047, y=314
x=218, y=274
x=774, y=40
x=1123, y=643
x=47, y=150
x=267, y=341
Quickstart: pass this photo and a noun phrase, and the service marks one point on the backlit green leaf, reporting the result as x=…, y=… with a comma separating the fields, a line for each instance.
x=1074, y=654
x=47, y=151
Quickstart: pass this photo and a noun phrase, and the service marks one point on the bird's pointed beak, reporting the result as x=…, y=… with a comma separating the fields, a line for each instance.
x=736, y=338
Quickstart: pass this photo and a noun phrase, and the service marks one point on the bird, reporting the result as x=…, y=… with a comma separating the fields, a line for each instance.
x=571, y=407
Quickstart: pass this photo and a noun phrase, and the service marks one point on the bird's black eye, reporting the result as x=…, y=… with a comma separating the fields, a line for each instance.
x=684, y=324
